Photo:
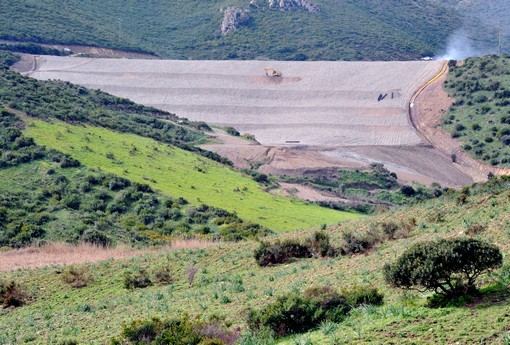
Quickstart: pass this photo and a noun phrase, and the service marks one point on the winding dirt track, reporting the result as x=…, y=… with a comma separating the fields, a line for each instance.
x=319, y=117
x=426, y=109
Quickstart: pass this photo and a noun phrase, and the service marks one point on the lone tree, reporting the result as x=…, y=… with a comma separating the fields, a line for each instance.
x=447, y=267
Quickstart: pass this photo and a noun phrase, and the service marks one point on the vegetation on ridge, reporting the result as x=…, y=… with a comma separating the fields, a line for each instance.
x=480, y=116
x=342, y=30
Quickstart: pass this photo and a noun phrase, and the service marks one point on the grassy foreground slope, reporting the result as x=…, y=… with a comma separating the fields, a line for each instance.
x=179, y=173
x=228, y=281
x=342, y=30
x=480, y=116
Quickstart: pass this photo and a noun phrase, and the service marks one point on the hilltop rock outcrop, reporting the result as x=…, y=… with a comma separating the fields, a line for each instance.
x=290, y=5
x=233, y=18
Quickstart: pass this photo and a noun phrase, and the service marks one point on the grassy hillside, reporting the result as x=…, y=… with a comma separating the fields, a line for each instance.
x=179, y=173
x=228, y=281
x=47, y=196
x=480, y=116
x=342, y=30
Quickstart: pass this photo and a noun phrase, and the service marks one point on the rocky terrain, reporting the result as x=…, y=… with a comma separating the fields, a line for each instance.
x=233, y=17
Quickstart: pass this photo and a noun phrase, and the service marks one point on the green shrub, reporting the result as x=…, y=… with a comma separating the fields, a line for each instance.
x=12, y=295
x=281, y=252
x=77, y=277
x=232, y=131
x=320, y=245
x=138, y=280
x=163, y=276
x=97, y=237
x=285, y=251
x=294, y=313
x=449, y=266
x=364, y=296
x=358, y=243
x=183, y=331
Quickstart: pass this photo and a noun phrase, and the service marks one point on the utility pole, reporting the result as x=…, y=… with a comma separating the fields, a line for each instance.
x=120, y=28
x=499, y=38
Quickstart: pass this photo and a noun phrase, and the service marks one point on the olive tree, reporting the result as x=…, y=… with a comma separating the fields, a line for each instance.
x=449, y=266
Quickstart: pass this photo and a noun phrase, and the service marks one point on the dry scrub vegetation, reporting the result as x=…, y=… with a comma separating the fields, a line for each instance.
x=67, y=254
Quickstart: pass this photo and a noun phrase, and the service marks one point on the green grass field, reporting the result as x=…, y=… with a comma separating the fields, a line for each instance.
x=229, y=281
x=180, y=173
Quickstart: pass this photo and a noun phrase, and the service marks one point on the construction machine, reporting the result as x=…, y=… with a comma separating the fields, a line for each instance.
x=271, y=72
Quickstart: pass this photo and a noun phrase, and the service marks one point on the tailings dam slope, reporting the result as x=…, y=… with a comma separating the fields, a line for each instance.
x=314, y=103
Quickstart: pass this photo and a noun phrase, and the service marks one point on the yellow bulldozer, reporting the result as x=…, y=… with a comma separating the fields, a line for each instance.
x=271, y=72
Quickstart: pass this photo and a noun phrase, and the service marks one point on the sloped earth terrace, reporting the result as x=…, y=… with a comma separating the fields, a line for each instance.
x=344, y=113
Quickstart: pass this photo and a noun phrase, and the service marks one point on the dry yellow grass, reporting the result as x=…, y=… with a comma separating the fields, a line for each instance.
x=67, y=254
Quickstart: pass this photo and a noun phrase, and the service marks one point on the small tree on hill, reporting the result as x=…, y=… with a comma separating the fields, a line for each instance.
x=448, y=267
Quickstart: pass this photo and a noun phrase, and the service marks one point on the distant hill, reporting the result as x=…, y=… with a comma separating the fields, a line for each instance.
x=299, y=30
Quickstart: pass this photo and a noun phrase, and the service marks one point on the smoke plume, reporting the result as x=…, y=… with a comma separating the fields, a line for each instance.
x=459, y=47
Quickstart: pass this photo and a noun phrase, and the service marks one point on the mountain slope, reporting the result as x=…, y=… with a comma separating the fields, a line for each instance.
x=340, y=30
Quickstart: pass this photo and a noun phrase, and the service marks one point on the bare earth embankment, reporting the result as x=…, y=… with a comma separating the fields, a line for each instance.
x=319, y=116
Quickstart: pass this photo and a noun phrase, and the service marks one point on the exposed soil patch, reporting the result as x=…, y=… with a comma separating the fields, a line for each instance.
x=308, y=193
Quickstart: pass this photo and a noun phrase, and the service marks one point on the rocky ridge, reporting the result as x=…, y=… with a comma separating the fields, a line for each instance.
x=290, y=5
x=233, y=18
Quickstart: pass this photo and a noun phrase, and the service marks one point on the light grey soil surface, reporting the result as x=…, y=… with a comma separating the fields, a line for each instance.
x=319, y=116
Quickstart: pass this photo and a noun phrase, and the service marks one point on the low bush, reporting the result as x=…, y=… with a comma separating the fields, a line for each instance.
x=296, y=313
x=163, y=276
x=12, y=295
x=319, y=245
x=138, y=280
x=364, y=296
x=281, y=252
x=183, y=331
x=232, y=131
x=286, y=251
x=77, y=277
x=354, y=243
x=293, y=313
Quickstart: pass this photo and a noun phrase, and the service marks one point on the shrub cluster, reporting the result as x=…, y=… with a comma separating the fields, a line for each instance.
x=296, y=313
x=12, y=295
x=285, y=251
x=77, y=277
x=361, y=242
x=183, y=331
x=141, y=278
